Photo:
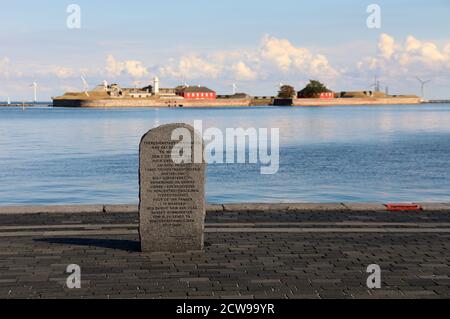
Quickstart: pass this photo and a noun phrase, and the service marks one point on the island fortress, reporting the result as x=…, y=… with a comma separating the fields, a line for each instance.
x=114, y=96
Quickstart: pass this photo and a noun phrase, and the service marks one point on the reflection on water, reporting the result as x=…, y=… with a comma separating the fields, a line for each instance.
x=385, y=153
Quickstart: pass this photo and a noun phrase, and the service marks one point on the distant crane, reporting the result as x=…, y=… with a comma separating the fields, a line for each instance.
x=34, y=86
x=376, y=85
x=422, y=86
x=85, y=85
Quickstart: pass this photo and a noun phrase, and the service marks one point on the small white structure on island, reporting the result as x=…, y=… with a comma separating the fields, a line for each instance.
x=155, y=85
x=34, y=86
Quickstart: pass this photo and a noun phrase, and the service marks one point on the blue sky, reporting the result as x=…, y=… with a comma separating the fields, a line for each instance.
x=254, y=43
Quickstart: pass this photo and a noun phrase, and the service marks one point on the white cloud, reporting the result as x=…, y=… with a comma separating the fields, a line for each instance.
x=273, y=57
x=412, y=44
x=287, y=58
x=191, y=67
x=282, y=53
x=427, y=53
x=4, y=64
x=58, y=71
x=274, y=60
x=135, y=69
x=413, y=56
x=319, y=66
x=31, y=70
x=386, y=45
x=447, y=49
x=63, y=72
x=243, y=72
x=113, y=68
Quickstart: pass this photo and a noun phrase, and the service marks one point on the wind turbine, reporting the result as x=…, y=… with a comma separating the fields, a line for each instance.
x=422, y=86
x=85, y=85
x=34, y=86
x=234, y=88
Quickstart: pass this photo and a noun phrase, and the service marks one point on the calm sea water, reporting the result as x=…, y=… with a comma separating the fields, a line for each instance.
x=356, y=154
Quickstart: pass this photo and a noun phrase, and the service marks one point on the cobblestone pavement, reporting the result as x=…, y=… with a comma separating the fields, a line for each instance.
x=247, y=255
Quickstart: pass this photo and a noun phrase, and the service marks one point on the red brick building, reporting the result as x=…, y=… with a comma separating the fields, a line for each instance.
x=196, y=93
x=326, y=95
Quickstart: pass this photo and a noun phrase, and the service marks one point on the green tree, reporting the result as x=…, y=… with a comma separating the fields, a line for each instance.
x=313, y=90
x=286, y=92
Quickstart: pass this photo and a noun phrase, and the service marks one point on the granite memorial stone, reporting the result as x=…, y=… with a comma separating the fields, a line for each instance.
x=171, y=189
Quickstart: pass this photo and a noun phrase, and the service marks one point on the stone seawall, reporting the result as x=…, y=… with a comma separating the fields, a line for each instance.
x=355, y=101
x=217, y=208
x=132, y=103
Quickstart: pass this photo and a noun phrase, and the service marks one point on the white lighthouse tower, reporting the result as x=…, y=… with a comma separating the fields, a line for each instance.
x=155, y=85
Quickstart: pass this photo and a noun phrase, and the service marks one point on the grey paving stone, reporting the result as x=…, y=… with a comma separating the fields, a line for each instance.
x=245, y=265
